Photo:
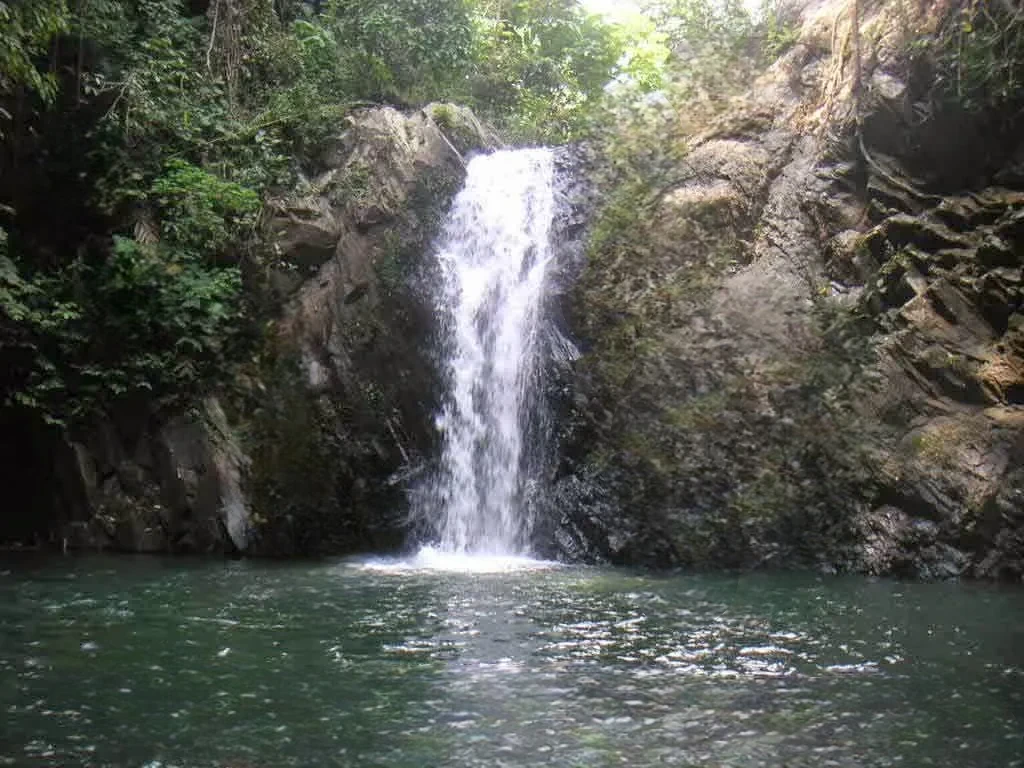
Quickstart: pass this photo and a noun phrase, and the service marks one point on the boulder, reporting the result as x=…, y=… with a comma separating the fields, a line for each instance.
x=171, y=487
x=346, y=390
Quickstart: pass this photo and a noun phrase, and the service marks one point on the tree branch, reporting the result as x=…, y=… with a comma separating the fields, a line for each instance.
x=213, y=36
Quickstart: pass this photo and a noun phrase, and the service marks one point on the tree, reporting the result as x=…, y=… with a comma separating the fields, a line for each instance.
x=27, y=29
x=542, y=65
x=404, y=48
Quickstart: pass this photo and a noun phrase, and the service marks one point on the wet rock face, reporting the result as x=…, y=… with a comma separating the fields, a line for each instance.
x=349, y=387
x=136, y=485
x=812, y=356
x=340, y=398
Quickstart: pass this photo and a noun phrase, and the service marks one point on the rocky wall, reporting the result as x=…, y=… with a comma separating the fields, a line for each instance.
x=307, y=453
x=809, y=355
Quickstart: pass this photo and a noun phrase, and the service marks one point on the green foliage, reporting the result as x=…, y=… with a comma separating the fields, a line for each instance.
x=27, y=29
x=184, y=167
x=172, y=314
x=645, y=56
x=30, y=314
x=143, y=319
x=199, y=212
x=780, y=34
x=979, y=56
x=444, y=116
x=717, y=45
x=404, y=47
x=542, y=66
x=165, y=106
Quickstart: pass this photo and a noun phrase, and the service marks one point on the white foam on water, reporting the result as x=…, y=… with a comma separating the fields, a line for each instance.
x=435, y=559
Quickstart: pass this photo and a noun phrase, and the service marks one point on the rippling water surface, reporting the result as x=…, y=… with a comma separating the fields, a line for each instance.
x=150, y=662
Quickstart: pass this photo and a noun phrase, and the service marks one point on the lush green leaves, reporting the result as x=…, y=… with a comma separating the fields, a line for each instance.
x=26, y=29
x=145, y=319
x=174, y=318
x=979, y=56
x=200, y=213
x=542, y=67
x=405, y=47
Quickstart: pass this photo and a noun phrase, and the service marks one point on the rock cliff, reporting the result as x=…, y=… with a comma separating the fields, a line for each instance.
x=303, y=455
x=806, y=350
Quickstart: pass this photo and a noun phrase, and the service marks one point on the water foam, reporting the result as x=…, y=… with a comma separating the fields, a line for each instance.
x=431, y=558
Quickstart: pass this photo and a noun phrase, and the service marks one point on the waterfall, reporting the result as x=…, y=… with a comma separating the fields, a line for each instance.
x=493, y=256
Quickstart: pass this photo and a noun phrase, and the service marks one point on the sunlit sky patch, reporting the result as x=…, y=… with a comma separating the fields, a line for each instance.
x=611, y=8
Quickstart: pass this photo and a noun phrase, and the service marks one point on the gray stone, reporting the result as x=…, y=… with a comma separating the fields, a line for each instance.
x=342, y=395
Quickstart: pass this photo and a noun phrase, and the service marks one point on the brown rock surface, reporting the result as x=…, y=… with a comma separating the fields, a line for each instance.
x=813, y=357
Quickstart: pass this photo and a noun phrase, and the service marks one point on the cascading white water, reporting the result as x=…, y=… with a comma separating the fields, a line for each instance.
x=494, y=254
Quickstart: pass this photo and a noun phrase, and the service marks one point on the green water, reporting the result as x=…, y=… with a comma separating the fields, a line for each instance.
x=151, y=662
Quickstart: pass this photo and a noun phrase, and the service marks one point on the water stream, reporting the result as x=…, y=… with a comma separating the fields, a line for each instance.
x=494, y=257
x=151, y=662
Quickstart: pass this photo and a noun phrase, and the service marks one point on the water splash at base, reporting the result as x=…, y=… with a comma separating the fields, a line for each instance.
x=434, y=559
